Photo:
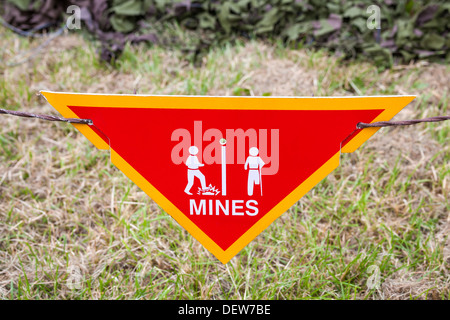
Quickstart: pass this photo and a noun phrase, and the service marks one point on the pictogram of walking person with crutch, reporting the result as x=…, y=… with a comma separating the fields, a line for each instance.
x=254, y=163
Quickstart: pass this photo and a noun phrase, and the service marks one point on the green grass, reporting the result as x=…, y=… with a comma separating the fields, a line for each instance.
x=65, y=210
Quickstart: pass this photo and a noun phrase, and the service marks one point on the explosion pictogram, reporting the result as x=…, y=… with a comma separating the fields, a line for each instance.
x=208, y=191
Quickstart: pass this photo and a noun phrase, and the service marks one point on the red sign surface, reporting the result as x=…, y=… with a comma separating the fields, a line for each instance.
x=225, y=168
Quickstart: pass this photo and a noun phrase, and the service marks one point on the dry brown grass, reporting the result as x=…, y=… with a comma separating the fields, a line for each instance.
x=64, y=209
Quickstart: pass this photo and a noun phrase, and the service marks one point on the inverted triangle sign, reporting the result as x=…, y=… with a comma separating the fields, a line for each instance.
x=225, y=167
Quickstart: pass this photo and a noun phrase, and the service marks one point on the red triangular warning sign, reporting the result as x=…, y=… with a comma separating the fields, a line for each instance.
x=225, y=167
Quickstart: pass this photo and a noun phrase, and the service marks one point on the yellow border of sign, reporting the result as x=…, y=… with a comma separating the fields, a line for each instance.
x=391, y=105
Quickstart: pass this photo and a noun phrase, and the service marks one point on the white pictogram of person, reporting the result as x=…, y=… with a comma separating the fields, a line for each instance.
x=193, y=170
x=254, y=164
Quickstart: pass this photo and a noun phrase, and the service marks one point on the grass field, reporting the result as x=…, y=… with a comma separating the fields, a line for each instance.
x=72, y=226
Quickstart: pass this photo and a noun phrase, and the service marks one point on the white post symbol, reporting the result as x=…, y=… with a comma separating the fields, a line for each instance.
x=223, y=143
